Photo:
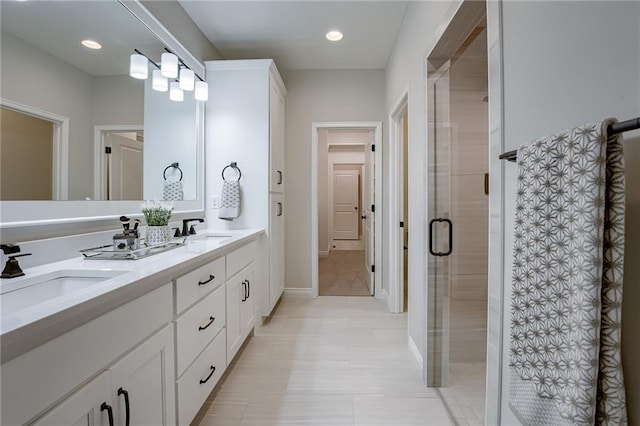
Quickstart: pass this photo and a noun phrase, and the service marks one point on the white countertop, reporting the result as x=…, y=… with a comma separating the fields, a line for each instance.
x=25, y=328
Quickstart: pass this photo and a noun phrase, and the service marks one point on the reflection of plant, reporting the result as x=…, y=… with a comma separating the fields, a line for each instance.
x=157, y=213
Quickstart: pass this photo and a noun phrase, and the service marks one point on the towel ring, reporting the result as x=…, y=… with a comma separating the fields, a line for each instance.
x=233, y=165
x=174, y=166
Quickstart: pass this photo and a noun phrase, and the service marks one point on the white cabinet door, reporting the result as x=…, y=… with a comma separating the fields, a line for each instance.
x=247, y=304
x=276, y=250
x=235, y=294
x=276, y=137
x=241, y=293
x=88, y=406
x=143, y=385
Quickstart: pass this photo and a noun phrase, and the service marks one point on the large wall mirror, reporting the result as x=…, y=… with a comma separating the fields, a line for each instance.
x=79, y=136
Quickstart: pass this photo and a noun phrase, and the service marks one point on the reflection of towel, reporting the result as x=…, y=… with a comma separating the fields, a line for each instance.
x=230, y=201
x=172, y=190
x=567, y=280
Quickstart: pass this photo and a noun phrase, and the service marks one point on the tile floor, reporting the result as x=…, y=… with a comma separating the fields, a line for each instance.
x=328, y=361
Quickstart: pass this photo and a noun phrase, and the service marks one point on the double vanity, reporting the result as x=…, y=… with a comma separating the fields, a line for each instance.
x=128, y=342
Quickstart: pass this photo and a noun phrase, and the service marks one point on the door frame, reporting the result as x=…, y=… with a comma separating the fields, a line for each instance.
x=99, y=164
x=376, y=127
x=60, y=139
x=396, y=204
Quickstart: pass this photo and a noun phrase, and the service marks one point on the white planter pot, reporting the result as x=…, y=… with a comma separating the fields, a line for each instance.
x=158, y=234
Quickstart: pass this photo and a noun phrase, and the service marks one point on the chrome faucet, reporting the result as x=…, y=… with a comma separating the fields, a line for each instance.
x=192, y=230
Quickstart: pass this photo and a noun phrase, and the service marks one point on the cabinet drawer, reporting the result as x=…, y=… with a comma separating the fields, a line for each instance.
x=198, y=326
x=240, y=258
x=193, y=286
x=198, y=381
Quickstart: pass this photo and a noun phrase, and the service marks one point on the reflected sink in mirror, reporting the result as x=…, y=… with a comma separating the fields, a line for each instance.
x=32, y=291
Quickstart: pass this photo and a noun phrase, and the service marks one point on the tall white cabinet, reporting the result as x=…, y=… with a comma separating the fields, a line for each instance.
x=245, y=125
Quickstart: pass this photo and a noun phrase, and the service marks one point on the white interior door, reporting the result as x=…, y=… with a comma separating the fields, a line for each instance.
x=125, y=172
x=368, y=215
x=346, y=209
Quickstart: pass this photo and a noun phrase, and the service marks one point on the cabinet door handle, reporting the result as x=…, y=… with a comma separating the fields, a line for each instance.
x=213, y=370
x=248, y=289
x=127, y=410
x=107, y=407
x=279, y=209
x=244, y=291
x=279, y=177
x=211, y=320
x=211, y=278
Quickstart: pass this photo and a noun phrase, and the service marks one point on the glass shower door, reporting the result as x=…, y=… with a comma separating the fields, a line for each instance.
x=440, y=227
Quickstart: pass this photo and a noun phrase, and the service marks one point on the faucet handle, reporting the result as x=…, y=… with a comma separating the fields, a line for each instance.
x=10, y=248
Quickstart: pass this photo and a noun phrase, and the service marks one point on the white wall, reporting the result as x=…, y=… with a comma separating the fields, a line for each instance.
x=405, y=72
x=318, y=96
x=34, y=78
x=568, y=63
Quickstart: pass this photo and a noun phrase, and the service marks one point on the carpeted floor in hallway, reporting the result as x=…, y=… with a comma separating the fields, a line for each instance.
x=343, y=273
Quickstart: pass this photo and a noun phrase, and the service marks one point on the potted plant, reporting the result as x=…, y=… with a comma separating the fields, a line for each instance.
x=157, y=215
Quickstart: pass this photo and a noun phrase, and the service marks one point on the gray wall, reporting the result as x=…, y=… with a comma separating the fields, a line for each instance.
x=318, y=96
x=568, y=63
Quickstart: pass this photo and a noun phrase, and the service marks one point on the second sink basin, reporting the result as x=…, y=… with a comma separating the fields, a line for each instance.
x=32, y=291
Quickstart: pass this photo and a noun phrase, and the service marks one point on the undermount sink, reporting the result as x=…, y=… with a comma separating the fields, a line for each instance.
x=31, y=291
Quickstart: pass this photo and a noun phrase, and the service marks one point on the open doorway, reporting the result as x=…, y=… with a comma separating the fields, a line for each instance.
x=118, y=162
x=346, y=236
x=399, y=220
x=457, y=106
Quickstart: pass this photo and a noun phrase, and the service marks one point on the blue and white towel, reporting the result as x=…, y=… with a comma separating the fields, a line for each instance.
x=230, y=200
x=566, y=299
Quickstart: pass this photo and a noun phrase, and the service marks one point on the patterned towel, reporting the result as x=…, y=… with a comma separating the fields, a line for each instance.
x=230, y=200
x=567, y=280
x=172, y=190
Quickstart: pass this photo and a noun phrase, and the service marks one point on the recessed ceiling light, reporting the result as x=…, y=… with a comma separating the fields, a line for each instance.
x=334, y=35
x=91, y=44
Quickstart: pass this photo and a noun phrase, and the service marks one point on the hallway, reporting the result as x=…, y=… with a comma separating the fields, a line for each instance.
x=327, y=361
x=343, y=273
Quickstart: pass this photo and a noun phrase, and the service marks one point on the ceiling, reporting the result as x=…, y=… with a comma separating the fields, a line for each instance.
x=57, y=27
x=292, y=32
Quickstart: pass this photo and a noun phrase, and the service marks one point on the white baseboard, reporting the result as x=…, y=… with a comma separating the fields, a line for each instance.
x=323, y=253
x=416, y=353
x=298, y=293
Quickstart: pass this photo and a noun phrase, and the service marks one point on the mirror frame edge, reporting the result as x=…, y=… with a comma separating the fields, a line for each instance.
x=54, y=217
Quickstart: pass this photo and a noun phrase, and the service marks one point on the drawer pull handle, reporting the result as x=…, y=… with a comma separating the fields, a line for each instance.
x=211, y=320
x=279, y=177
x=211, y=278
x=213, y=370
x=107, y=407
x=127, y=410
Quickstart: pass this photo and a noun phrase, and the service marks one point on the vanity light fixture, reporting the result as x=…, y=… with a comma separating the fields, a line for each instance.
x=139, y=68
x=334, y=35
x=202, y=90
x=91, y=44
x=159, y=83
x=187, y=79
x=175, y=92
x=169, y=65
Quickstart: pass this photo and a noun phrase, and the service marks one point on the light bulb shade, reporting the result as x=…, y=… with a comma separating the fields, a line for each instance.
x=202, y=91
x=139, y=67
x=159, y=82
x=169, y=65
x=187, y=79
x=175, y=92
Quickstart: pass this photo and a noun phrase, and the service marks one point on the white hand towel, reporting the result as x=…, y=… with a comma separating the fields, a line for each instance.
x=173, y=190
x=566, y=298
x=230, y=201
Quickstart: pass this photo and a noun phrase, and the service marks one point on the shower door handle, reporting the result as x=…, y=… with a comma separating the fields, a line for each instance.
x=431, y=234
